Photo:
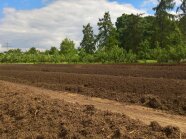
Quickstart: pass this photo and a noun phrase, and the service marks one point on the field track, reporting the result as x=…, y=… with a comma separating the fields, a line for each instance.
x=31, y=112
x=131, y=111
x=143, y=114
x=155, y=86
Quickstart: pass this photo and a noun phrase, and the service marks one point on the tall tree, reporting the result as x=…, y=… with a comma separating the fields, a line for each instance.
x=88, y=42
x=107, y=36
x=133, y=27
x=14, y=51
x=182, y=21
x=165, y=26
x=182, y=7
x=182, y=25
x=32, y=50
x=53, y=51
x=162, y=14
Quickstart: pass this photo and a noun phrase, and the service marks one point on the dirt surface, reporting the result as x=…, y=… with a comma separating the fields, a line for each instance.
x=30, y=112
x=156, y=86
x=148, y=71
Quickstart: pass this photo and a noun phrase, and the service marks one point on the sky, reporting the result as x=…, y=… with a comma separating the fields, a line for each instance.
x=45, y=23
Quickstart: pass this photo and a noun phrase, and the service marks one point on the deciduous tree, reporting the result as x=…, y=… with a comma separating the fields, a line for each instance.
x=67, y=46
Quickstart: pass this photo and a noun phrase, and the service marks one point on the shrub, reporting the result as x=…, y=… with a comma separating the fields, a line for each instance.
x=178, y=53
x=85, y=57
x=101, y=56
x=130, y=57
x=116, y=55
x=144, y=50
x=161, y=55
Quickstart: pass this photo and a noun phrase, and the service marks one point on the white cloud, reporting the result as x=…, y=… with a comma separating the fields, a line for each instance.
x=149, y=4
x=155, y=2
x=47, y=26
x=2, y=49
x=178, y=2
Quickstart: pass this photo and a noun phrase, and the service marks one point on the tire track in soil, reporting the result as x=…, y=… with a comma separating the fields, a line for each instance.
x=143, y=114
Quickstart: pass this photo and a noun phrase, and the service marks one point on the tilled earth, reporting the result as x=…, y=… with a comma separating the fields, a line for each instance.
x=156, y=86
x=29, y=113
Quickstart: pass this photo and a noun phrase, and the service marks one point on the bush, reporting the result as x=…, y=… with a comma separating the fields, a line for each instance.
x=111, y=55
x=130, y=57
x=171, y=54
x=160, y=54
x=178, y=53
x=116, y=55
x=71, y=58
x=101, y=56
x=89, y=58
x=85, y=57
x=144, y=50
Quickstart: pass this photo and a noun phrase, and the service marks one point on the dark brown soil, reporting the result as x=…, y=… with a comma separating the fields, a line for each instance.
x=156, y=86
x=26, y=114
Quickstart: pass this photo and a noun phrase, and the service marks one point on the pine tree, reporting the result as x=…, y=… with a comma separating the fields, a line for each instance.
x=88, y=42
x=182, y=21
x=182, y=7
x=163, y=22
x=107, y=36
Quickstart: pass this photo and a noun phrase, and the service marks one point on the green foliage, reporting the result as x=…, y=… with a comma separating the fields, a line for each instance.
x=53, y=51
x=161, y=55
x=85, y=57
x=107, y=36
x=144, y=50
x=170, y=54
x=182, y=26
x=101, y=56
x=160, y=38
x=88, y=42
x=32, y=51
x=67, y=47
x=166, y=30
x=176, y=54
x=72, y=58
x=13, y=56
x=162, y=8
x=115, y=55
x=130, y=28
x=131, y=57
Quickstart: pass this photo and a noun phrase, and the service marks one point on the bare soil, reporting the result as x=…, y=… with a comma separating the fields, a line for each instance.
x=30, y=112
x=160, y=87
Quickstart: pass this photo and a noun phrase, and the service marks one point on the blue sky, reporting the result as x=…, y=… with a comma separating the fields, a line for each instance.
x=20, y=4
x=25, y=23
x=31, y=4
x=45, y=23
x=35, y=4
x=135, y=3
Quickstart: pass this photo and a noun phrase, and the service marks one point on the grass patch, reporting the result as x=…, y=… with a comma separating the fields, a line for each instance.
x=147, y=61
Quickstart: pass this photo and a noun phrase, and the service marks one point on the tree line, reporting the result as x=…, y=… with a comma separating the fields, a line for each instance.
x=161, y=38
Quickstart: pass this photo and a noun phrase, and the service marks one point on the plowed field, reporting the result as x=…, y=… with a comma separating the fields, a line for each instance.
x=34, y=113
x=156, y=86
